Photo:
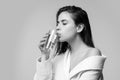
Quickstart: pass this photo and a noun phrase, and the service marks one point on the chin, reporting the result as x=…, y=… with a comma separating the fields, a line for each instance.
x=62, y=40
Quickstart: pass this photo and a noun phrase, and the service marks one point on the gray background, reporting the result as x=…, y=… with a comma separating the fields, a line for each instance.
x=24, y=22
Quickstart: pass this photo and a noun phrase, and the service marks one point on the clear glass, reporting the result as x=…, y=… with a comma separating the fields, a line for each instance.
x=52, y=39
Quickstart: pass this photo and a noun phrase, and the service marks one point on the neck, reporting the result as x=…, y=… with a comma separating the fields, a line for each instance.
x=77, y=44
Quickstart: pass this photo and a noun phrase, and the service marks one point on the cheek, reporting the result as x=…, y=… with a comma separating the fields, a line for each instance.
x=70, y=30
x=68, y=33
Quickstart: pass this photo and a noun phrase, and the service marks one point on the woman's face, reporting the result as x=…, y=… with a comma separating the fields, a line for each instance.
x=66, y=27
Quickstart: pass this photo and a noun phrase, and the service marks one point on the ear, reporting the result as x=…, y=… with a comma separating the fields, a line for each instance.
x=80, y=27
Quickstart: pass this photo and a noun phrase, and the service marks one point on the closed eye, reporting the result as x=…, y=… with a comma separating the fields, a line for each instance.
x=64, y=23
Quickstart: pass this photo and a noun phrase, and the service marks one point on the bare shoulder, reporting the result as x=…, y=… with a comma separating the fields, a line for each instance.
x=94, y=52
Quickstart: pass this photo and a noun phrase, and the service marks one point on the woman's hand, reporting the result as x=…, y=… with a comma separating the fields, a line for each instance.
x=47, y=53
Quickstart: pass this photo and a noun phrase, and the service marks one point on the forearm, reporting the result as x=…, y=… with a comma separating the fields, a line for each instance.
x=43, y=70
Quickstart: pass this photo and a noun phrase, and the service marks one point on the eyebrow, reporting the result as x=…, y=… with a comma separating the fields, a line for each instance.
x=62, y=20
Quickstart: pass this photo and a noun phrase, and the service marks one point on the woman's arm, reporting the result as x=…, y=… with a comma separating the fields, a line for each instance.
x=43, y=70
x=44, y=64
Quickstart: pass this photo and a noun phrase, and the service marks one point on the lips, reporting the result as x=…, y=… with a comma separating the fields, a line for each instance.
x=58, y=34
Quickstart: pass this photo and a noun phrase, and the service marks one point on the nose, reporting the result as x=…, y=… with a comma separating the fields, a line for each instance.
x=57, y=28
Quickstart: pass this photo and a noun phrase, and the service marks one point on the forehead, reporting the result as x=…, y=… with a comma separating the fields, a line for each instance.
x=65, y=16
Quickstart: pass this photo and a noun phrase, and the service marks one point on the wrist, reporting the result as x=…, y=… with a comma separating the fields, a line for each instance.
x=44, y=57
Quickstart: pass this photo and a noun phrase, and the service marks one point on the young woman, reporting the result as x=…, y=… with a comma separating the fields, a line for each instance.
x=77, y=58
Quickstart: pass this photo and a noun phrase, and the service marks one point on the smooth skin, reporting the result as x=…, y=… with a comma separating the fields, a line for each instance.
x=68, y=31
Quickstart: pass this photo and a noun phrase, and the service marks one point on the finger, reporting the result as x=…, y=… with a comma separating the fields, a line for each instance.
x=42, y=41
x=41, y=48
x=48, y=32
x=46, y=36
x=45, y=39
x=42, y=45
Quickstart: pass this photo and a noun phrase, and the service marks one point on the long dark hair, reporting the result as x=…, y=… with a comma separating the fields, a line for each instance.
x=79, y=16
